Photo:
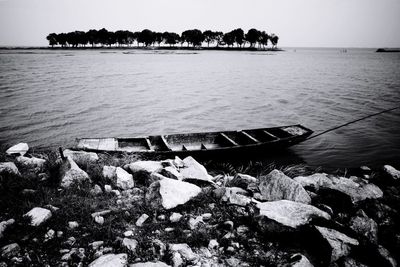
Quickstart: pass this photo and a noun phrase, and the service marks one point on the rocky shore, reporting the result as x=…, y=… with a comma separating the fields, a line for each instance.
x=88, y=209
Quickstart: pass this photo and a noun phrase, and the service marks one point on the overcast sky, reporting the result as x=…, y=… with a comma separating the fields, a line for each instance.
x=314, y=23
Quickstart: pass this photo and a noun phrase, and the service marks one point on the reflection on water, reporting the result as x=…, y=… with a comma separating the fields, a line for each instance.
x=49, y=98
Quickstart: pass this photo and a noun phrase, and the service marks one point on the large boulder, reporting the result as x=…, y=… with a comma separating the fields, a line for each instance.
x=356, y=192
x=108, y=260
x=339, y=244
x=147, y=166
x=276, y=186
x=18, y=149
x=170, y=193
x=36, y=164
x=392, y=172
x=81, y=157
x=287, y=215
x=71, y=173
x=192, y=170
x=38, y=215
x=9, y=168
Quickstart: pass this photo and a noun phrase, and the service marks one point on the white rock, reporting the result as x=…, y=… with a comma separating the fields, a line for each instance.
x=81, y=157
x=130, y=244
x=148, y=166
x=73, y=225
x=71, y=173
x=141, y=220
x=99, y=219
x=276, y=186
x=194, y=222
x=394, y=173
x=128, y=233
x=100, y=213
x=20, y=149
x=193, y=170
x=110, y=260
x=149, y=264
x=339, y=242
x=4, y=225
x=299, y=260
x=109, y=172
x=124, y=179
x=290, y=213
x=49, y=235
x=33, y=163
x=9, y=168
x=185, y=251
x=213, y=244
x=38, y=215
x=175, y=217
x=107, y=188
x=171, y=193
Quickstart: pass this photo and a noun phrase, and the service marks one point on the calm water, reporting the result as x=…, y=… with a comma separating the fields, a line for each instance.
x=48, y=98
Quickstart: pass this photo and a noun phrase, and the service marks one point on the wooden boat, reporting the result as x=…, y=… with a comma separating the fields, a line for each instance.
x=208, y=144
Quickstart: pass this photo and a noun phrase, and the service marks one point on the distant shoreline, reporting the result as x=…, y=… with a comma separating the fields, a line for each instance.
x=147, y=48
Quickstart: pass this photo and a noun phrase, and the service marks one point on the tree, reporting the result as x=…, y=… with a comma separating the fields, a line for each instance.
x=62, y=39
x=253, y=36
x=102, y=36
x=92, y=37
x=52, y=38
x=209, y=36
x=158, y=37
x=228, y=38
x=218, y=37
x=171, y=38
x=264, y=38
x=147, y=37
x=238, y=35
x=274, y=40
x=194, y=37
x=121, y=37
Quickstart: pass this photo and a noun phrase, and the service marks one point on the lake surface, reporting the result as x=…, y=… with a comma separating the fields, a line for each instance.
x=50, y=97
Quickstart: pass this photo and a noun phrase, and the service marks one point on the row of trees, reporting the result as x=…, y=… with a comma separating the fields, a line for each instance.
x=147, y=37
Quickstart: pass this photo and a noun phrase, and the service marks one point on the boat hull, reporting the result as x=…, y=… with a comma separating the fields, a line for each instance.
x=228, y=144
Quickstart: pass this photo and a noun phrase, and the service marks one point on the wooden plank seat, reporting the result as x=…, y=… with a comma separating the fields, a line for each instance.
x=249, y=137
x=228, y=140
x=270, y=134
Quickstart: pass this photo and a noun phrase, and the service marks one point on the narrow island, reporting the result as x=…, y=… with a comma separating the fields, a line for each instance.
x=189, y=39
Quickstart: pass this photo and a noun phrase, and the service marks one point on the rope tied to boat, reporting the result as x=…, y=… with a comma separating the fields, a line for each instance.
x=351, y=122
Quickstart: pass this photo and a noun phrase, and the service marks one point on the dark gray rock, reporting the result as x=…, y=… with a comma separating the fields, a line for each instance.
x=276, y=186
